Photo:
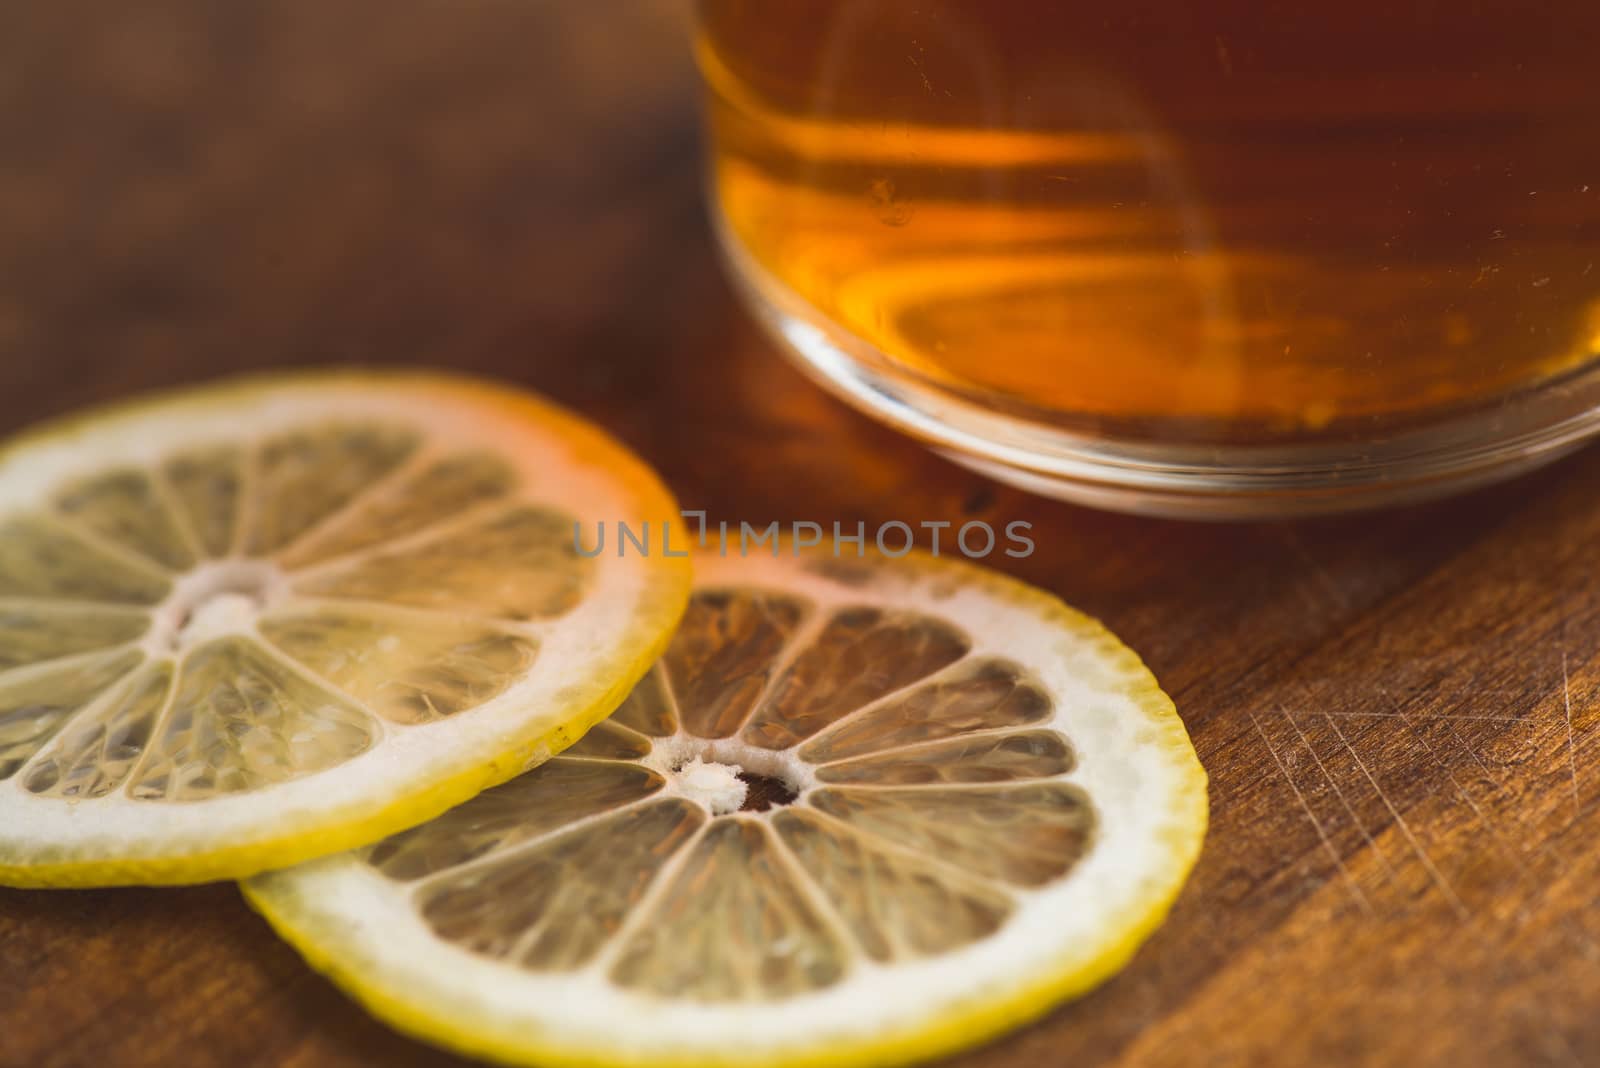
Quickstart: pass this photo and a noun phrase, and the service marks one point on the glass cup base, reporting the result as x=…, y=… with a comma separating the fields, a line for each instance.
x=1181, y=480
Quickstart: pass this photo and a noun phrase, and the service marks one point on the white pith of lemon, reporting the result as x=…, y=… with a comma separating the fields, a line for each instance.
x=980, y=804
x=253, y=623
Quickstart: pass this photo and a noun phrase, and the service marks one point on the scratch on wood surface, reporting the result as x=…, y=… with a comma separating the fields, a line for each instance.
x=1572, y=757
x=1517, y=851
x=1429, y=717
x=1437, y=759
x=1461, y=742
x=1322, y=835
x=1471, y=752
x=1532, y=690
x=1324, y=578
x=1383, y=858
x=1400, y=821
x=1477, y=812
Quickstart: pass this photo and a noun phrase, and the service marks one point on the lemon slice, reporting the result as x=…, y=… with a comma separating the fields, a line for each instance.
x=862, y=812
x=256, y=623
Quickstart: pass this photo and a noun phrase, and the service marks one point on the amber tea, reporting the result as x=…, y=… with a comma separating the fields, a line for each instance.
x=1213, y=217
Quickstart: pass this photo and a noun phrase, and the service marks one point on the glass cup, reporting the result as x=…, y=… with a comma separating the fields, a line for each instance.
x=1207, y=258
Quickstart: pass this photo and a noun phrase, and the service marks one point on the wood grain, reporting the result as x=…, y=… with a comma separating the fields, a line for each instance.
x=1400, y=713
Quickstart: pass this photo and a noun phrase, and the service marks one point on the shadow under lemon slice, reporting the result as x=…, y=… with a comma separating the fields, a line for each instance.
x=250, y=624
x=862, y=811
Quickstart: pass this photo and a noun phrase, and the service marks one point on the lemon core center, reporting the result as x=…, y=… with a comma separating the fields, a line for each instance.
x=223, y=597
x=728, y=776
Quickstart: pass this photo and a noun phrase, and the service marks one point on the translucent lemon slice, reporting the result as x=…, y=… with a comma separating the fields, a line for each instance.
x=862, y=812
x=256, y=623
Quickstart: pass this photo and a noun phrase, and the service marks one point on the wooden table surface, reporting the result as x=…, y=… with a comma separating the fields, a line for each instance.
x=1400, y=712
